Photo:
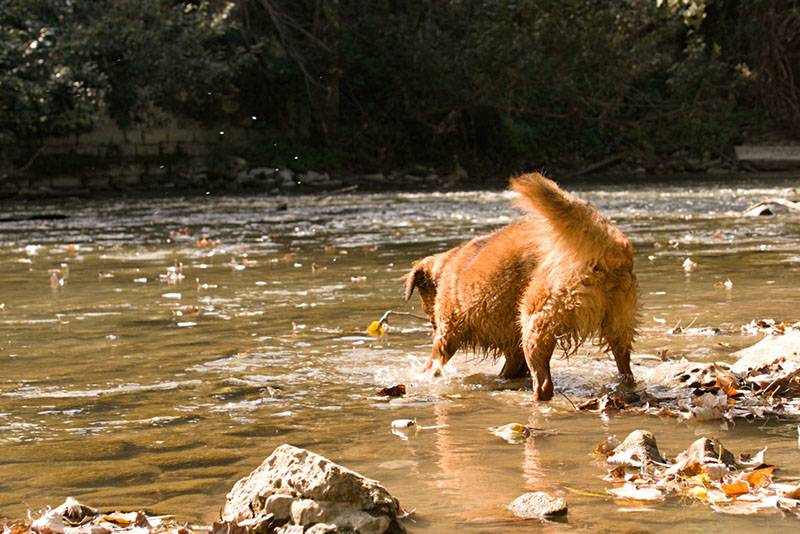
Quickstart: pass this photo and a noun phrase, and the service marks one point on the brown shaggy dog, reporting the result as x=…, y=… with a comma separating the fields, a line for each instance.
x=555, y=278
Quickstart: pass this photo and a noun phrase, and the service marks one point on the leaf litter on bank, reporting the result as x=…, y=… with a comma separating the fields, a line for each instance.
x=706, y=472
x=712, y=392
x=75, y=518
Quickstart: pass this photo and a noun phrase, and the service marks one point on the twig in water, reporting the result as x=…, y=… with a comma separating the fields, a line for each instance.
x=568, y=400
x=385, y=317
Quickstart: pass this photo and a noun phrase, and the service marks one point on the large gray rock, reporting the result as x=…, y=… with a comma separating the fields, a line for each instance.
x=307, y=489
x=768, y=350
x=538, y=505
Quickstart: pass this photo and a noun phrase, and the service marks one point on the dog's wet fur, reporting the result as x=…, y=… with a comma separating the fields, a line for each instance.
x=555, y=278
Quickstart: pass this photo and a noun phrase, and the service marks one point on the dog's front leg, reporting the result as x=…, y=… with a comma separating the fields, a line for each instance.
x=515, y=365
x=443, y=349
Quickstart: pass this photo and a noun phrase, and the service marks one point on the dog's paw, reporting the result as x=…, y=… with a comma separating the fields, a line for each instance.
x=627, y=379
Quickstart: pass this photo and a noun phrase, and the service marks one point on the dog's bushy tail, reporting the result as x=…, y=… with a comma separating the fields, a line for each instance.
x=570, y=224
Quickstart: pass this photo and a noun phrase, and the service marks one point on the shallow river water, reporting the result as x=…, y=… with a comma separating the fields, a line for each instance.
x=126, y=387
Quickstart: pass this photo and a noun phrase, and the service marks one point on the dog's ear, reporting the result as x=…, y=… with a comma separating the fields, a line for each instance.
x=409, y=285
x=418, y=277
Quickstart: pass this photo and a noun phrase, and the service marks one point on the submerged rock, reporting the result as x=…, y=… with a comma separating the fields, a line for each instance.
x=305, y=489
x=538, y=505
x=638, y=450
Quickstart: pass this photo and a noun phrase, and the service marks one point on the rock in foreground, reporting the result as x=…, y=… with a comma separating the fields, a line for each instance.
x=538, y=505
x=296, y=490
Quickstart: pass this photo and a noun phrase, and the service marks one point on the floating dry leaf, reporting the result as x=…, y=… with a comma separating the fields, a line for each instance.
x=517, y=432
x=512, y=432
x=403, y=423
x=394, y=391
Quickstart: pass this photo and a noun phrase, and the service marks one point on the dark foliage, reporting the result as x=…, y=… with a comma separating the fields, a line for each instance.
x=507, y=84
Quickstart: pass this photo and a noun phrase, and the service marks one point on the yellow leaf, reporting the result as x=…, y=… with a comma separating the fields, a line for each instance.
x=376, y=329
x=698, y=492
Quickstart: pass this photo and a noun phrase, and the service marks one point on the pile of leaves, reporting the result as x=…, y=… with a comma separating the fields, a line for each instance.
x=73, y=517
x=769, y=327
x=714, y=392
x=706, y=472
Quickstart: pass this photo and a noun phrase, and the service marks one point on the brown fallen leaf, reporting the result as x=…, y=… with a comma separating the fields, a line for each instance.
x=604, y=449
x=726, y=381
x=794, y=494
x=394, y=391
x=760, y=477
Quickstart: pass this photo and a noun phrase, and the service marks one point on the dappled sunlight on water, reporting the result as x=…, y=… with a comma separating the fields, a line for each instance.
x=165, y=368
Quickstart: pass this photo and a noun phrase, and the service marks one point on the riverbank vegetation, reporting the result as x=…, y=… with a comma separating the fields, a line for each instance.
x=497, y=85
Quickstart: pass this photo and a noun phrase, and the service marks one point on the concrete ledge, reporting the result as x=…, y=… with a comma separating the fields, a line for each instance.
x=771, y=156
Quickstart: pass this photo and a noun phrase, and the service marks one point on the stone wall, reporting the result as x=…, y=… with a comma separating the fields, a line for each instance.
x=170, y=136
x=168, y=153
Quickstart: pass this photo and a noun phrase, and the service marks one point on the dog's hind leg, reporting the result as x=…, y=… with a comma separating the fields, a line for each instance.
x=538, y=351
x=621, y=349
x=538, y=344
x=515, y=365
x=619, y=328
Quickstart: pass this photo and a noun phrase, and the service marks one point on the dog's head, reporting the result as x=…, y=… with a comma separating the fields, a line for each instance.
x=618, y=256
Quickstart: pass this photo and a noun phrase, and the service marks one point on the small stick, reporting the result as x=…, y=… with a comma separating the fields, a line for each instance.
x=385, y=317
x=568, y=400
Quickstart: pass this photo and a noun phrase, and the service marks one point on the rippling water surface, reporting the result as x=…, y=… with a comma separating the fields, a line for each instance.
x=131, y=387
